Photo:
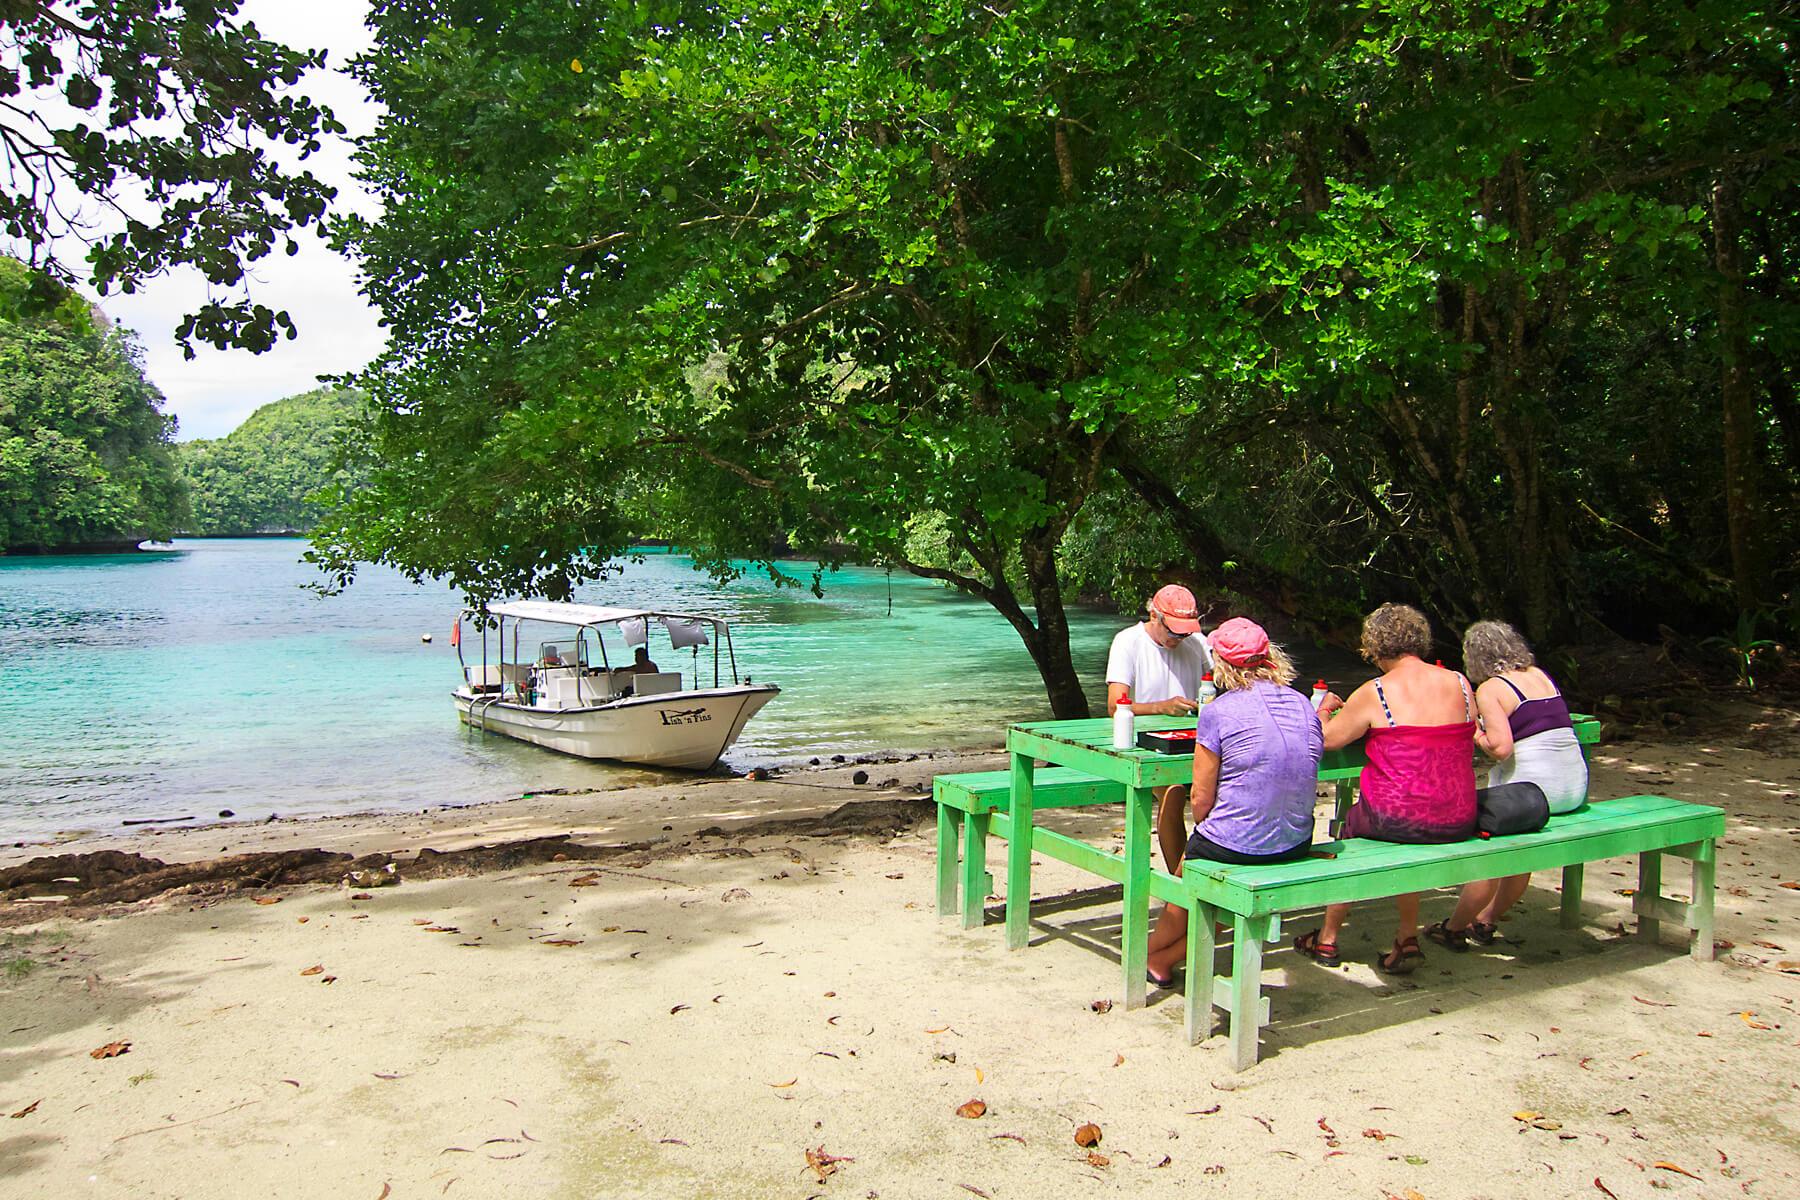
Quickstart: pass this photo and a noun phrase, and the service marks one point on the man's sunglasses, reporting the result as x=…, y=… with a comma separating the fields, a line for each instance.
x=1165, y=628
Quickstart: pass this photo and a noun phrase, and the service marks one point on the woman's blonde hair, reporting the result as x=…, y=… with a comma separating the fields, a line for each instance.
x=1395, y=630
x=1276, y=667
x=1492, y=648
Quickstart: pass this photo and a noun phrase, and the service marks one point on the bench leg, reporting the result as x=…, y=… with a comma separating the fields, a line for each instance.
x=1018, y=856
x=1648, y=895
x=949, y=834
x=1346, y=796
x=1700, y=908
x=1571, y=895
x=1246, y=988
x=976, y=882
x=1134, y=926
x=1200, y=972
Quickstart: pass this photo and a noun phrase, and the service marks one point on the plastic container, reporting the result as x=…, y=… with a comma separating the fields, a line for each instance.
x=1208, y=689
x=1124, y=726
x=1320, y=691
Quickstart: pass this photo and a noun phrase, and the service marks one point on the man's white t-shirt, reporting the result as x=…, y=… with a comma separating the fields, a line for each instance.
x=1151, y=673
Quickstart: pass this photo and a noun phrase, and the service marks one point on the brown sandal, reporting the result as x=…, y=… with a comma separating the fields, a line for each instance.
x=1402, y=959
x=1452, y=939
x=1323, y=953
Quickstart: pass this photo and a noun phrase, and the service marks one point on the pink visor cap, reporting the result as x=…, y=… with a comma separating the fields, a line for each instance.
x=1178, y=609
x=1240, y=642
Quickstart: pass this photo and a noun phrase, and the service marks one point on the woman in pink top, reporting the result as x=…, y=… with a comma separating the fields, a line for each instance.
x=1419, y=785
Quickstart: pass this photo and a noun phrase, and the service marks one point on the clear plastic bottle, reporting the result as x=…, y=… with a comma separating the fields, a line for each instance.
x=1320, y=691
x=1124, y=726
x=1208, y=689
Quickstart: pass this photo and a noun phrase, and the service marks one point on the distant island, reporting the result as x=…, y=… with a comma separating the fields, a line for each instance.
x=257, y=478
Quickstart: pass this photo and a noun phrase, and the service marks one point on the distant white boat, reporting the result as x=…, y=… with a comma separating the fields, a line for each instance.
x=547, y=675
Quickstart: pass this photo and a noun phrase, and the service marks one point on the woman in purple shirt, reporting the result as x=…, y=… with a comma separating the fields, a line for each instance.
x=1256, y=769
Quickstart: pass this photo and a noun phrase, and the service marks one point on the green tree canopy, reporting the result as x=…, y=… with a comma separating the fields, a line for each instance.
x=260, y=477
x=142, y=129
x=84, y=446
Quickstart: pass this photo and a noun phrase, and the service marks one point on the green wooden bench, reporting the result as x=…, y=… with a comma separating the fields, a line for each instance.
x=1255, y=897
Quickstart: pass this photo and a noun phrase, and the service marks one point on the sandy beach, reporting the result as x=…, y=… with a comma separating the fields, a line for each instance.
x=698, y=999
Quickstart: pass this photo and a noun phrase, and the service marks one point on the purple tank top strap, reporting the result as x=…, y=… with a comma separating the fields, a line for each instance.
x=1515, y=687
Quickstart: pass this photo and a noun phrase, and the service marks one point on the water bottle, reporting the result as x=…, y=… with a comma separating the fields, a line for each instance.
x=1208, y=689
x=1319, y=692
x=1124, y=726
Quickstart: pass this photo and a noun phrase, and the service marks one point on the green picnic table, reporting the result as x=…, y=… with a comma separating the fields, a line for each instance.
x=1081, y=768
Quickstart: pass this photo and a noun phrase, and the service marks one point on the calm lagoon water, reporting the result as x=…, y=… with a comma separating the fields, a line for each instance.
x=207, y=678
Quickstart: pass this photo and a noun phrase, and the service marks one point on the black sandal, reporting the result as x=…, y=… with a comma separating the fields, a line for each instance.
x=1163, y=985
x=1483, y=934
x=1323, y=953
x=1452, y=939
x=1402, y=959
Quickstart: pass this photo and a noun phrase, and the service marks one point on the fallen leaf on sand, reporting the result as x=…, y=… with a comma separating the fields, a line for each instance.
x=824, y=1165
x=940, y=1029
x=28, y=1109
x=1379, y=1135
x=671, y=1142
x=1088, y=1136
x=1704, y=1033
x=329, y=979
x=387, y=1189
x=1215, y=1169
x=1669, y=1166
x=1328, y=1130
x=1165, y=1162
x=610, y=929
x=1118, y=1060
x=1410, y=1194
x=1749, y=1018
x=979, y=1077
x=111, y=1050
x=969, y=1187
x=561, y=942
x=1097, y=1159
x=1792, y=968
x=1791, y=886
x=315, y=969
x=971, y=1109
x=420, y=921
x=1101, y=1006
x=790, y=1083
x=1653, y=1003
x=1011, y=1137
x=1205, y=1112
x=584, y=881
x=302, y=920
x=442, y=929
x=361, y=896
x=1265, y=1122
x=1604, y=1188
x=275, y=899
x=676, y=1009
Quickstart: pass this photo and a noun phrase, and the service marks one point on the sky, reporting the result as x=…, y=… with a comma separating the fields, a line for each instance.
x=339, y=332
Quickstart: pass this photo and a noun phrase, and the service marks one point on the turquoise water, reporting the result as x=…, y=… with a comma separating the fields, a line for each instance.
x=206, y=678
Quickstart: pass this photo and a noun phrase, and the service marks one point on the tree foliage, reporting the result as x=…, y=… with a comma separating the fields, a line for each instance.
x=84, y=446
x=262, y=476
x=1319, y=302
x=146, y=131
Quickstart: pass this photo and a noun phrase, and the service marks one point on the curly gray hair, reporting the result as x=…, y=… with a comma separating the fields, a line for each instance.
x=1491, y=648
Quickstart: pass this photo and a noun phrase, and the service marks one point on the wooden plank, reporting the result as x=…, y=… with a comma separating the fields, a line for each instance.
x=1134, y=927
x=1018, y=855
x=1570, y=909
x=976, y=882
x=1055, y=787
x=1247, y=1013
x=1649, y=890
x=1700, y=911
x=1199, y=997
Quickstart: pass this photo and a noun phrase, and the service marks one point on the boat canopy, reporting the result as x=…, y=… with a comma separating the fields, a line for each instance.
x=583, y=614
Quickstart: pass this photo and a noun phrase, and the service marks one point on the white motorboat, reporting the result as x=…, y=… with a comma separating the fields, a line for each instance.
x=547, y=675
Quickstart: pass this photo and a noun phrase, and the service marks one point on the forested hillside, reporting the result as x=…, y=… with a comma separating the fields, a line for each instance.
x=257, y=478
x=85, y=455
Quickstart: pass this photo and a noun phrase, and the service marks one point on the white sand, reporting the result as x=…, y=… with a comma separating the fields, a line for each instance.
x=822, y=1007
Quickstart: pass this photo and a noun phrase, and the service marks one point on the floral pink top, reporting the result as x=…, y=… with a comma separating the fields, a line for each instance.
x=1419, y=785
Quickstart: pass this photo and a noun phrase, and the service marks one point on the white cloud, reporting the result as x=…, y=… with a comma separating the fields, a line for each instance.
x=215, y=391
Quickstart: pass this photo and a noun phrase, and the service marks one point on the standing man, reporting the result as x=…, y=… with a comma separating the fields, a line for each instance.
x=1158, y=664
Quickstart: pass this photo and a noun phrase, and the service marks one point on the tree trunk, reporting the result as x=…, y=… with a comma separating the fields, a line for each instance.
x=1050, y=648
x=1743, y=509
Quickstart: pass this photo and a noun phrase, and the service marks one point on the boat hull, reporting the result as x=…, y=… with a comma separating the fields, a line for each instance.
x=683, y=730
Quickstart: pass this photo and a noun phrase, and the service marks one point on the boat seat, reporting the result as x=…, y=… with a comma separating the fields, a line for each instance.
x=660, y=683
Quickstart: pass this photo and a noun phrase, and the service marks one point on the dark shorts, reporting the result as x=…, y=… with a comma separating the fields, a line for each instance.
x=1201, y=846
x=1361, y=821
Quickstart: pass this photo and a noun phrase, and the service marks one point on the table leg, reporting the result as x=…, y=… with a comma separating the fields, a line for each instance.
x=1018, y=856
x=1246, y=988
x=976, y=882
x=949, y=834
x=1700, y=907
x=1134, y=926
x=1571, y=895
x=1200, y=972
x=1649, y=891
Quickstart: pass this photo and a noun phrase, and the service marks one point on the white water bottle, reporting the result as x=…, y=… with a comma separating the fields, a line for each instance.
x=1208, y=689
x=1124, y=726
x=1320, y=690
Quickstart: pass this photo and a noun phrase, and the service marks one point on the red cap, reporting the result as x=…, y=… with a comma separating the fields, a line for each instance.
x=1178, y=608
x=1321, y=686
x=1241, y=642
